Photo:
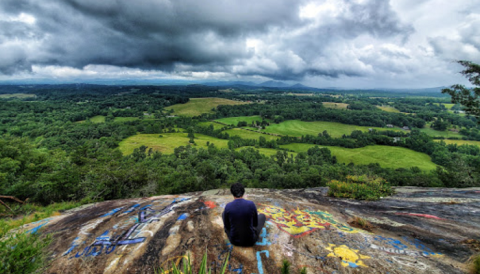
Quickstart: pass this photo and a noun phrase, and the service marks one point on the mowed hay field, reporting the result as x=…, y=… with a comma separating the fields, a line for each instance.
x=167, y=143
x=386, y=156
x=246, y=134
x=388, y=109
x=461, y=142
x=335, y=105
x=299, y=128
x=198, y=106
x=234, y=120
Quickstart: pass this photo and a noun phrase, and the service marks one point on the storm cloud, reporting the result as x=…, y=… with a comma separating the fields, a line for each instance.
x=322, y=42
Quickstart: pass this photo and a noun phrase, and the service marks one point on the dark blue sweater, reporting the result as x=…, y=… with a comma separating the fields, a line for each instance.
x=241, y=219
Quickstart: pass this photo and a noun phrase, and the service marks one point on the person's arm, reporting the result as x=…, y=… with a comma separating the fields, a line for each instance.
x=226, y=220
x=255, y=215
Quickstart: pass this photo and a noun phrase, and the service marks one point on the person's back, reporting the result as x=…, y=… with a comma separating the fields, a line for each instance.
x=241, y=220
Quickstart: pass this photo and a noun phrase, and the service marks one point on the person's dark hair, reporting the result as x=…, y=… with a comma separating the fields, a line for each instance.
x=237, y=190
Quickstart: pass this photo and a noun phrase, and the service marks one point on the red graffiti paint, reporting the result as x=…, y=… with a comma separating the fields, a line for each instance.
x=210, y=204
x=421, y=215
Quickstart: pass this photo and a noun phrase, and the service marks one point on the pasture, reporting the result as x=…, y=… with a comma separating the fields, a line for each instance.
x=435, y=133
x=386, y=156
x=461, y=142
x=299, y=128
x=207, y=124
x=167, y=143
x=198, y=106
x=388, y=109
x=246, y=134
x=335, y=105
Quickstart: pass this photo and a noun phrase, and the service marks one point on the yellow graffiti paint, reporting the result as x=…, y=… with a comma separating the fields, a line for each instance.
x=302, y=222
x=349, y=257
x=171, y=262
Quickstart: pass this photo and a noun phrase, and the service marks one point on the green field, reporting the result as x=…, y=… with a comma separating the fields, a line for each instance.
x=17, y=95
x=125, y=119
x=168, y=142
x=335, y=105
x=388, y=109
x=461, y=142
x=299, y=128
x=234, y=120
x=215, y=125
x=386, y=156
x=246, y=134
x=98, y=119
x=447, y=106
x=268, y=151
x=435, y=133
x=198, y=106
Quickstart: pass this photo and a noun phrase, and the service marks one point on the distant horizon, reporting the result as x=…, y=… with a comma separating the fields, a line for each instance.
x=175, y=82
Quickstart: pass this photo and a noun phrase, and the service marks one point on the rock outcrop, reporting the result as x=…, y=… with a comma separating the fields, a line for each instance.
x=418, y=230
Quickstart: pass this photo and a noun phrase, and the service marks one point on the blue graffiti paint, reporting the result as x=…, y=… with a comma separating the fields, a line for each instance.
x=85, y=250
x=183, y=217
x=131, y=209
x=42, y=223
x=352, y=265
x=259, y=260
x=112, y=212
x=72, y=246
x=263, y=236
x=146, y=207
x=393, y=242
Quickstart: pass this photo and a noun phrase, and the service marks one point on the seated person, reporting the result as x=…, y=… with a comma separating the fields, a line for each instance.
x=240, y=218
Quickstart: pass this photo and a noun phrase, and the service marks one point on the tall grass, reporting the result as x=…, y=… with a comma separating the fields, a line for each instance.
x=360, y=188
x=188, y=267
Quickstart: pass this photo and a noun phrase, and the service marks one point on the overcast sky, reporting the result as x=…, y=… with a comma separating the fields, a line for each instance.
x=322, y=43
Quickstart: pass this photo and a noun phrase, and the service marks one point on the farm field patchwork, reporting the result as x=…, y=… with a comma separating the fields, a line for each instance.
x=386, y=156
x=246, y=134
x=167, y=143
x=461, y=142
x=198, y=106
x=299, y=128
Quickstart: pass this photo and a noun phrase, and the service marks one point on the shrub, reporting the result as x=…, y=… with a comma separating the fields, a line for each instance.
x=475, y=264
x=360, y=188
x=21, y=252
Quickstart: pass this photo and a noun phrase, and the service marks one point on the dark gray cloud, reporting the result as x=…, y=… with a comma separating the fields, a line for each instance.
x=285, y=40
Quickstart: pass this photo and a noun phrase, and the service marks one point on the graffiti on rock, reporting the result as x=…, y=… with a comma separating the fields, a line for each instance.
x=107, y=244
x=259, y=260
x=350, y=257
x=38, y=225
x=299, y=223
